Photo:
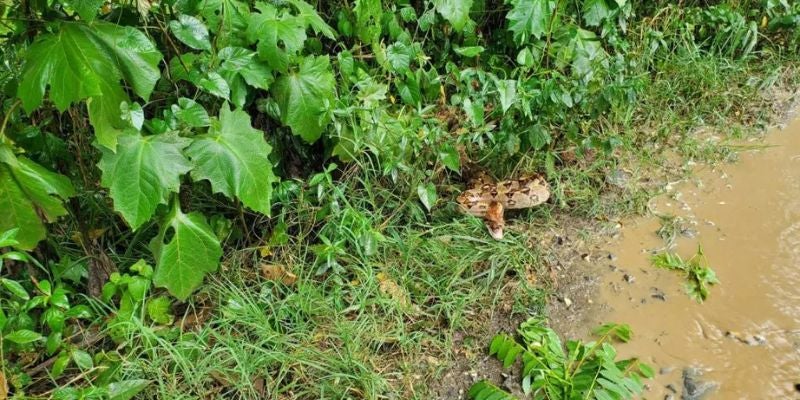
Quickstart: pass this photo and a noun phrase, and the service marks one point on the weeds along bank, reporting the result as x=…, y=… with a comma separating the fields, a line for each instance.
x=255, y=199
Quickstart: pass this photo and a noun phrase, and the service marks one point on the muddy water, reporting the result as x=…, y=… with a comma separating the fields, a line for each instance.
x=746, y=336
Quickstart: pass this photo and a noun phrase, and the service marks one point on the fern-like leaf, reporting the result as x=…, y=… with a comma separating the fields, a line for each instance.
x=483, y=390
x=506, y=349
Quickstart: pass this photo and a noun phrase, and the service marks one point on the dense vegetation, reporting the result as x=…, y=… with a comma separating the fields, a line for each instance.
x=245, y=199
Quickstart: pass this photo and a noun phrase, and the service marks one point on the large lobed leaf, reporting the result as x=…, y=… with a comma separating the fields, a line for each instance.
x=183, y=260
x=233, y=156
x=529, y=18
x=87, y=61
x=143, y=173
x=454, y=11
x=304, y=95
x=25, y=188
x=279, y=35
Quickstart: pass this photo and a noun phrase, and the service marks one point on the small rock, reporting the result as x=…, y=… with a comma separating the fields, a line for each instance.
x=689, y=233
x=629, y=278
x=671, y=388
x=669, y=397
x=693, y=387
x=612, y=257
x=567, y=302
x=612, y=267
x=756, y=340
x=658, y=294
x=618, y=178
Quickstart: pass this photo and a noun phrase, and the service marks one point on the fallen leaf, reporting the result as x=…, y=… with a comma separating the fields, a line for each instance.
x=3, y=387
x=278, y=273
x=393, y=290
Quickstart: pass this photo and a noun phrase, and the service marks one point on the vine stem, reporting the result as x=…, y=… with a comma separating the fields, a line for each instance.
x=6, y=118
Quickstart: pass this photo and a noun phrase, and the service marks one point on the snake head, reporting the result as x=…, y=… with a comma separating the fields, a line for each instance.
x=494, y=220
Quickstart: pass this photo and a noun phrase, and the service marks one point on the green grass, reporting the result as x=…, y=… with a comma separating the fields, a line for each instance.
x=384, y=326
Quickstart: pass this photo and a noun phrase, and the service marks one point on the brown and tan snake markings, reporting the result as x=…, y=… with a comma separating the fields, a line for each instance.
x=489, y=200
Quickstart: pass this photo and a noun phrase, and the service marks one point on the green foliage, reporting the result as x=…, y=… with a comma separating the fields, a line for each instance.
x=143, y=172
x=26, y=187
x=234, y=158
x=87, y=62
x=699, y=276
x=327, y=137
x=38, y=320
x=184, y=259
x=303, y=97
x=552, y=371
x=483, y=390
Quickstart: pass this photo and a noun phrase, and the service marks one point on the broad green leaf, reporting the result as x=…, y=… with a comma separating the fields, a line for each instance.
x=368, y=20
x=312, y=18
x=227, y=16
x=126, y=390
x=399, y=57
x=303, y=97
x=132, y=114
x=538, y=137
x=427, y=195
x=469, y=51
x=82, y=359
x=279, y=35
x=507, y=91
x=183, y=261
x=26, y=187
x=60, y=364
x=87, y=9
x=595, y=11
x=143, y=173
x=158, y=309
x=241, y=68
x=81, y=61
x=15, y=288
x=23, y=336
x=529, y=18
x=233, y=157
x=450, y=158
x=9, y=237
x=191, y=113
x=454, y=11
x=215, y=84
x=525, y=57
x=191, y=31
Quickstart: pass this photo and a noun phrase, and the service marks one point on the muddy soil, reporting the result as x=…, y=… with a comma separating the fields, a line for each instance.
x=748, y=333
x=744, y=341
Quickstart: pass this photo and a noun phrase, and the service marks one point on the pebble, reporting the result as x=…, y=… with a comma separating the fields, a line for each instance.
x=567, y=302
x=629, y=278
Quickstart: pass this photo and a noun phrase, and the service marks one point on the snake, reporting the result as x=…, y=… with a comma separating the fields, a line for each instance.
x=488, y=199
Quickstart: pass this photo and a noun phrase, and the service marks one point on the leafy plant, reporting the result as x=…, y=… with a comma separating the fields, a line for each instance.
x=699, y=275
x=580, y=370
x=38, y=320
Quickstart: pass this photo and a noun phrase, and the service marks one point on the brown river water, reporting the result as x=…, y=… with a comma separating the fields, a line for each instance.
x=743, y=342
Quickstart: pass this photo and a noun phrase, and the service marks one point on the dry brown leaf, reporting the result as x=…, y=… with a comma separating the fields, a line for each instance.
x=3, y=387
x=278, y=273
x=393, y=290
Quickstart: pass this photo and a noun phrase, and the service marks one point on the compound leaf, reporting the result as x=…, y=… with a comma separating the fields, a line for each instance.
x=183, y=261
x=233, y=156
x=143, y=173
x=303, y=97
